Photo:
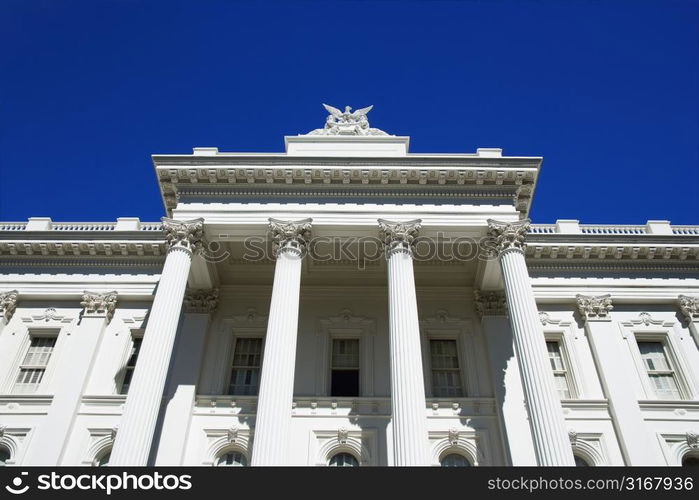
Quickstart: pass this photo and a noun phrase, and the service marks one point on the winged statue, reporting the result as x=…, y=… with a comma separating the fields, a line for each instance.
x=347, y=122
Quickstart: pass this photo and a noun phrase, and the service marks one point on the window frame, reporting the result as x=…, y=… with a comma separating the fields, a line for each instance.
x=134, y=333
x=331, y=343
x=247, y=334
x=455, y=334
x=459, y=361
x=44, y=387
x=671, y=355
x=569, y=361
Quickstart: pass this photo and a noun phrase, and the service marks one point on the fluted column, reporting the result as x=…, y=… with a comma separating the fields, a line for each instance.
x=8, y=303
x=504, y=370
x=53, y=433
x=278, y=363
x=637, y=444
x=133, y=441
x=551, y=441
x=410, y=441
x=690, y=309
x=199, y=305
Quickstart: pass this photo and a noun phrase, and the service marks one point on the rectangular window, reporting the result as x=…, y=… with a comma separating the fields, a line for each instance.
x=446, y=374
x=245, y=373
x=659, y=370
x=344, y=379
x=131, y=364
x=559, y=369
x=33, y=366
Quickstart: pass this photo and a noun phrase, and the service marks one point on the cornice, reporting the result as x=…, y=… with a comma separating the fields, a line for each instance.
x=678, y=248
x=367, y=176
x=67, y=261
x=44, y=247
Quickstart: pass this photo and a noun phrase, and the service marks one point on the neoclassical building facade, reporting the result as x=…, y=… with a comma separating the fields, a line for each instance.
x=348, y=303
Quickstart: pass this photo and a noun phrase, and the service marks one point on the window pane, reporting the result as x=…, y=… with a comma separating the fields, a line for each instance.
x=233, y=459
x=245, y=373
x=131, y=364
x=559, y=369
x=580, y=462
x=455, y=460
x=344, y=383
x=555, y=358
x=345, y=353
x=344, y=460
x=103, y=460
x=446, y=376
x=33, y=366
x=660, y=372
x=4, y=456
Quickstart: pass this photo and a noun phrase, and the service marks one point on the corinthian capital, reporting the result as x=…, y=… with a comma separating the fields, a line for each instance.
x=187, y=234
x=594, y=307
x=689, y=307
x=201, y=301
x=99, y=303
x=290, y=235
x=399, y=236
x=506, y=235
x=8, y=303
x=490, y=303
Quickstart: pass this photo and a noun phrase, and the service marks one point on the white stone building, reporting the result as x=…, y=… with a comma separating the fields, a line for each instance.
x=348, y=303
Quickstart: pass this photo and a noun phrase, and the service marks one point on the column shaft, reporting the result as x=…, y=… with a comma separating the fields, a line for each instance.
x=133, y=442
x=407, y=381
x=551, y=440
x=278, y=363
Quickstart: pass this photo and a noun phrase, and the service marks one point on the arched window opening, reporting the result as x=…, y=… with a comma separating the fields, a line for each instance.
x=455, y=460
x=232, y=459
x=690, y=460
x=4, y=456
x=344, y=460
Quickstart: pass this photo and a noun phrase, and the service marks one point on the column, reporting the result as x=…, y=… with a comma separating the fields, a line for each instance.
x=551, y=441
x=278, y=363
x=504, y=370
x=181, y=391
x=635, y=439
x=410, y=441
x=8, y=304
x=133, y=441
x=690, y=309
x=47, y=445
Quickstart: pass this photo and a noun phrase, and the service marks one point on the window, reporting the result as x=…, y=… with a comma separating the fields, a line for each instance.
x=455, y=460
x=659, y=370
x=344, y=460
x=103, y=459
x=446, y=375
x=559, y=368
x=245, y=373
x=4, y=456
x=33, y=367
x=690, y=461
x=344, y=380
x=580, y=462
x=131, y=364
x=232, y=459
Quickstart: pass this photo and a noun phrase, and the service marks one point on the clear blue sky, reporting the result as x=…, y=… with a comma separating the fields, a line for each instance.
x=606, y=91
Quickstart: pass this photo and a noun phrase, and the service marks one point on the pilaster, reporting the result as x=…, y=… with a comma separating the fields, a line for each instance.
x=637, y=444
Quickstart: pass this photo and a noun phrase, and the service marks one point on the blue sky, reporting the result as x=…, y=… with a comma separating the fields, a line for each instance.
x=606, y=91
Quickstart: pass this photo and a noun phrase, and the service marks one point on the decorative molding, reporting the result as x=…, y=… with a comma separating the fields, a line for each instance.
x=490, y=303
x=692, y=439
x=221, y=441
x=618, y=249
x=689, y=307
x=594, y=307
x=507, y=235
x=114, y=249
x=358, y=443
x=8, y=304
x=201, y=300
x=572, y=436
x=187, y=234
x=290, y=235
x=96, y=303
x=49, y=315
x=466, y=442
x=347, y=123
x=398, y=236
